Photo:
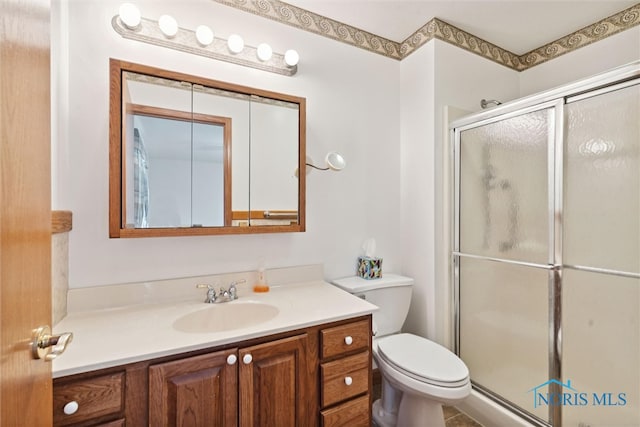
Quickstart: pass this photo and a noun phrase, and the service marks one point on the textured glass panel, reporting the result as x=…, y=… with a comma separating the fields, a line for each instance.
x=503, y=186
x=602, y=184
x=601, y=348
x=504, y=328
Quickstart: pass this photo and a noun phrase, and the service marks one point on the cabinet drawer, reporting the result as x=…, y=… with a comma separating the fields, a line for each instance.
x=95, y=397
x=116, y=423
x=354, y=413
x=344, y=378
x=345, y=338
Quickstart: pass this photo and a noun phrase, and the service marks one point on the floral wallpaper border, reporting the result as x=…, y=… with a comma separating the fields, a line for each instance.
x=437, y=29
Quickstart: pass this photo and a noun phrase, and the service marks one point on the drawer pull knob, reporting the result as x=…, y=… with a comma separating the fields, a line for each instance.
x=348, y=340
x=348, y=380
x=232, y=359
x=247, y=358
x=71, y=407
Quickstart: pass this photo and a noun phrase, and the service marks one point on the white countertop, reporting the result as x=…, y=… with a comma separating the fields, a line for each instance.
x=116, y=336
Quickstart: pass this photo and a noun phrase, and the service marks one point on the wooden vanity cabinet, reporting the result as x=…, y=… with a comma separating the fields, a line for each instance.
x=276, y=384
x=345, y=375
x=268, y=382
x=294, y=378
x=195, y=391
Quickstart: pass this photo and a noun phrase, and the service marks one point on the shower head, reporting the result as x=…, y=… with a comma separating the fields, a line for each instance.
x=484, y=103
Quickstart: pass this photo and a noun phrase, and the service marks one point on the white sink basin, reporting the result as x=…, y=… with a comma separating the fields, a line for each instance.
x=226, y=316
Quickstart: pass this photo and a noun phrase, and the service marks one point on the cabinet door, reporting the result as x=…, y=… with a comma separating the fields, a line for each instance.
x=275, y=384
x=195, y=391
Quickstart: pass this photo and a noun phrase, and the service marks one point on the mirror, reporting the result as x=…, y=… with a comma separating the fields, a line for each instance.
x=194, y=156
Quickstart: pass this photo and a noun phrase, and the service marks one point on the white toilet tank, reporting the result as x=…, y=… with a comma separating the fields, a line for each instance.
x=391, y=293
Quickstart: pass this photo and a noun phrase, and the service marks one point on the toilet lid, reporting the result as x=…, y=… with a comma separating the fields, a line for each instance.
x=423, y=360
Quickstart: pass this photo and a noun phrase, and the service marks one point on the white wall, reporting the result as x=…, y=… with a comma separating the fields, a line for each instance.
x=418, y=185
x=352, y=107
x=434, y=77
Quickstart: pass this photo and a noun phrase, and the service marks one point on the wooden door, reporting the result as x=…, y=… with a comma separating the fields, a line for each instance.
x=275, y=386
x=196, y=391
x=25, y=210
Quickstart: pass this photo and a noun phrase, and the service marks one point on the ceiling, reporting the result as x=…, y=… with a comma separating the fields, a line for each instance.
x=518, y=26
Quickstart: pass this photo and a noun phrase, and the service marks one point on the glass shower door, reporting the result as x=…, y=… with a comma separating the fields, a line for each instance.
x=547, y=255
x=601, y=254
x=504, y=253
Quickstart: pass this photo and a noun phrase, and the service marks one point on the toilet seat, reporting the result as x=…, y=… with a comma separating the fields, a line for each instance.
x=423, y=360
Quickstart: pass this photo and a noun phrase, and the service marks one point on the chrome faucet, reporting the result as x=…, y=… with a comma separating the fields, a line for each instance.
x=224, y=295
x=211, y=293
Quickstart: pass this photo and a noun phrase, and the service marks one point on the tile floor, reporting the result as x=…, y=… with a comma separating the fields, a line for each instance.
x=455, y=418
x=452, y=417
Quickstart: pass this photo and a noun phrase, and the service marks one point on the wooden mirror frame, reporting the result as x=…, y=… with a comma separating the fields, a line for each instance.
x=117, y=227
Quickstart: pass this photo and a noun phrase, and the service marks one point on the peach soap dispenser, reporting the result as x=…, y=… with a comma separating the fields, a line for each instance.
x=261, y=284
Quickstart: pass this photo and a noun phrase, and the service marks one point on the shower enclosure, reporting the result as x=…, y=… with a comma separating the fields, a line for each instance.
x=546, y=252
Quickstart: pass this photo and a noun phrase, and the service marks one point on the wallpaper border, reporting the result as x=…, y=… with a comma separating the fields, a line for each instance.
x=437, y=29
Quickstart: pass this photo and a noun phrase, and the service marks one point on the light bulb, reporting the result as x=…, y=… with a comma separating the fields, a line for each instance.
x=129, y=15
x=204, y=35
x=264, y=52
x=235, y=43
x=168, y=25
x=291, y=58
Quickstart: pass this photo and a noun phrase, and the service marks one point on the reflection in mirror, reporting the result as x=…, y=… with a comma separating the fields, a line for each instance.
x=185, y=163
x=192, y=156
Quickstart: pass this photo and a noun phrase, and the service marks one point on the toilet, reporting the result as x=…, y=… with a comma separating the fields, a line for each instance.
x=418, y=375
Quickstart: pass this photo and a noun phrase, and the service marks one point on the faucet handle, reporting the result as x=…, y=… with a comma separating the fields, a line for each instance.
x=233, y=291
x=211, y=293
x=236, y=282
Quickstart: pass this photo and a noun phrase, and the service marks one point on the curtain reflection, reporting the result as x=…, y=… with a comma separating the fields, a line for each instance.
x=140, y=182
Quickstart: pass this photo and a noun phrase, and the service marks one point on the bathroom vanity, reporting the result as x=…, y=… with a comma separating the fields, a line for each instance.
x=308, y=365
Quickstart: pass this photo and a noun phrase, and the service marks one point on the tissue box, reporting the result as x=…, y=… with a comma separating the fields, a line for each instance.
x=369, y=267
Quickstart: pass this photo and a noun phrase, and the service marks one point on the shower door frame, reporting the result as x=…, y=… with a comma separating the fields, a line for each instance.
x=554, y=100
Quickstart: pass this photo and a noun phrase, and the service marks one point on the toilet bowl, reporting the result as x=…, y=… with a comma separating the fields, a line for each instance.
x=419, y=376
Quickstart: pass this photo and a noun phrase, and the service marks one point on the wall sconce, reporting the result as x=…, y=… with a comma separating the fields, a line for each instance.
x=165, y=32
x=334, y=161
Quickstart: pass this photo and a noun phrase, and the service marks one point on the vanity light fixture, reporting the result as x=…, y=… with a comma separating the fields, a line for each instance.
x=130, y=15
x=166, y=33
x=235, y=43
x=291, y=58
x=265, y=52
x=334, y=161
x=204, y=35
x=168, y=25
